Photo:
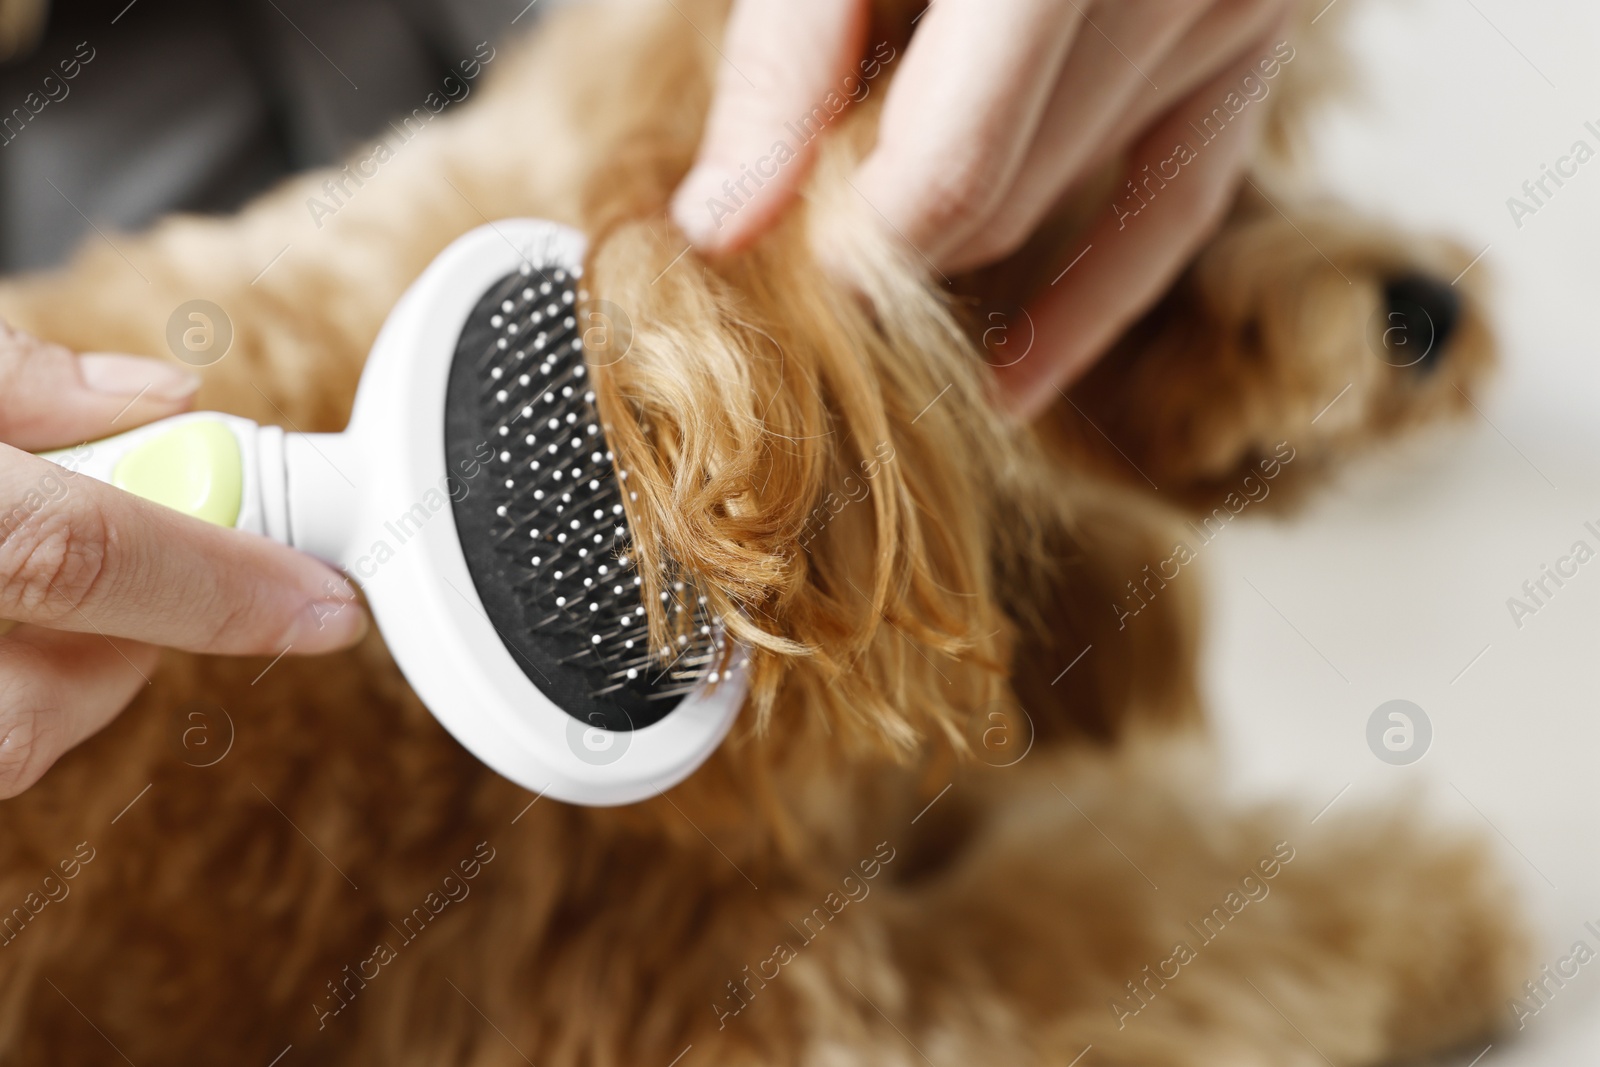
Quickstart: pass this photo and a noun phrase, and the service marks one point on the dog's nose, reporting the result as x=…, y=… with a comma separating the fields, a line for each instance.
x=1420, y=315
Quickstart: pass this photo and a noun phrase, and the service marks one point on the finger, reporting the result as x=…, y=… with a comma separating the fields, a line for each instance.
x=785, y=68
x=1106, y=97
x=51, y=397
x=1138, y=248
x=56, y=689
x=76, y=554
x=960, y=115
x=1228, y=30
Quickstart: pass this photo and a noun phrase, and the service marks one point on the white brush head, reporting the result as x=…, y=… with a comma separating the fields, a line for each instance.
x=440, y=512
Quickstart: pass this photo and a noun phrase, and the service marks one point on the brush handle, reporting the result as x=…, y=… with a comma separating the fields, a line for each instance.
x=298, y=489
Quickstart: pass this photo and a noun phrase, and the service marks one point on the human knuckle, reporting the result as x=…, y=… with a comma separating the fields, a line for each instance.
x=999, y=241
x=958, y=195
x=16, y=351
x=50, y=561
x=24, y=356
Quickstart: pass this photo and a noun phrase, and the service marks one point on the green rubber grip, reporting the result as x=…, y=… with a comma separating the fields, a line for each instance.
x=195, y=467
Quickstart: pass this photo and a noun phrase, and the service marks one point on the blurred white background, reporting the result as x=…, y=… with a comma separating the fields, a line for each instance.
x=1398, y=579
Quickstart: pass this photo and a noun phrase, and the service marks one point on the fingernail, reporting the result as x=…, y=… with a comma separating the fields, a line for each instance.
x=699, y=207
x=130, y=376
x=326, y=625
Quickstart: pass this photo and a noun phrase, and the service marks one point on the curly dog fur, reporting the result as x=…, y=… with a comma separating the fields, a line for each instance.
x=968, y=814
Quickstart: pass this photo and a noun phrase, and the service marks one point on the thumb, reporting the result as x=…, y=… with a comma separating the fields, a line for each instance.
x=50, y=397
x=779, y=61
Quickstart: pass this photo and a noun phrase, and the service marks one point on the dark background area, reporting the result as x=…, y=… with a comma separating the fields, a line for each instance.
x=195, y=105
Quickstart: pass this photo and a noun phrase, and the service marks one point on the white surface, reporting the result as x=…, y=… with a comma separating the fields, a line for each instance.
x=1400, y=576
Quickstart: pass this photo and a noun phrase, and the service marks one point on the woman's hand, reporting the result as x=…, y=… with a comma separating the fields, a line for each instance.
x=98, y=578
x=997, y=109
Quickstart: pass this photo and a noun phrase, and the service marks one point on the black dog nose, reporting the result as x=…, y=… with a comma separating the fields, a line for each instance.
x=1420, y=314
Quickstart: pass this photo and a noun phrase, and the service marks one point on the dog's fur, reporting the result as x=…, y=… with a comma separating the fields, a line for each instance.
x=957, y=614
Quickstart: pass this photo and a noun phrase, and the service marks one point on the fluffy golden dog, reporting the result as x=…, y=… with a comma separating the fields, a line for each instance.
x=966, y=815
